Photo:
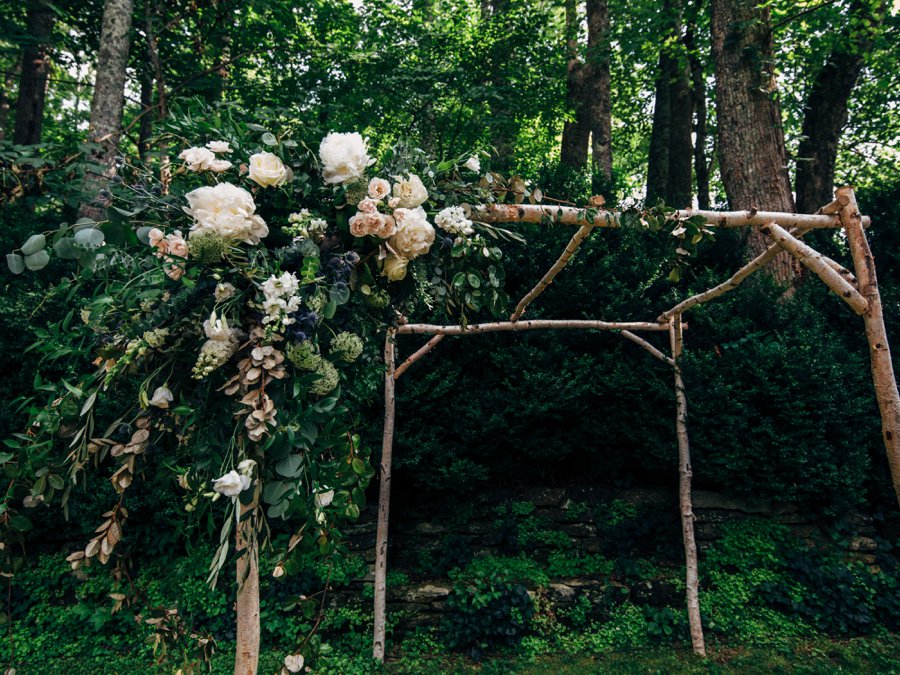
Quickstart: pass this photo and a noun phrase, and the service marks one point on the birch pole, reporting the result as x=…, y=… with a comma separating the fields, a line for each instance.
x=246, y=659
x=692, y=579
x=384, y=500
x=879, y=349
x=818, y=264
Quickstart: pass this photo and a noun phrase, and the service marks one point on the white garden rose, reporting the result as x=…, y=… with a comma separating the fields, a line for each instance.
x=162, y=397
x=226, y=210
x=344, y=157
x=219, y=165
x=395, y=267
x=267, y=170
x=293, y=663
x=219, y=147
x=231, y=484
x=473, y=164
x=379, y=188
x=410, y=191
x=368, y=205
x=414, y=236
x=197, y=159
x=375, y=224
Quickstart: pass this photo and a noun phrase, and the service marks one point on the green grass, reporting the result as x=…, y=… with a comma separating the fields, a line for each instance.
x=876, y=655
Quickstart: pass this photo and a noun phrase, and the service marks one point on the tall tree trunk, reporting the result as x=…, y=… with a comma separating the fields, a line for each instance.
x=752, y=157
x=109, y=97
x=35, y=69
x=576, y=132
x=671, y=151
x=698, y=104
x=826, y=108
x=599, y=94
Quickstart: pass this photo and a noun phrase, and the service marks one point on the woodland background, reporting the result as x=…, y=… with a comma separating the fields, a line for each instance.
x=719, y=103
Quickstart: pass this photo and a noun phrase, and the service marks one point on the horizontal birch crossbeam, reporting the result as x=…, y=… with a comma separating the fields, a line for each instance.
x=537, y=324
x=817, y=263
x=571, y=215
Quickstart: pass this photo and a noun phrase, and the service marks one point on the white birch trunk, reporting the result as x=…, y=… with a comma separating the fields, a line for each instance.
x=384, y=501
x=879, y=349
x=246, y=659
x=692, y=579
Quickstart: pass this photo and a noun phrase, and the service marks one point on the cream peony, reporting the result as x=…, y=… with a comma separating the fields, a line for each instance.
x=414, y=236
x=473, y=164
x=410, y=191
x=197, y=159
x=231, y=484
x=395, y=267
x=226, y=210
x=267, y=170
x=344, y=157
x=379, y=188
x=219, y=147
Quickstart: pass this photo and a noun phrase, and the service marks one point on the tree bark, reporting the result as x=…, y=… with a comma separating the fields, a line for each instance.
x=576, y=131
x=669, y=162
x=39, y=24
x=826, y=109
x=109, y=99
x=9, y=79
x=752, y=157
x=384, y=500
x=599, y=94
x=685, y=473
x=698, y=104
x=246, y=659
x=879, y=349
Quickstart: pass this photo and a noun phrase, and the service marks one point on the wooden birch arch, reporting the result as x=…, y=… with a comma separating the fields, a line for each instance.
x=785, y=230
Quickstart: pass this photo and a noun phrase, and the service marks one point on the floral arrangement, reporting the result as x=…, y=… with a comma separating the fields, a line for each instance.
x=234, y=304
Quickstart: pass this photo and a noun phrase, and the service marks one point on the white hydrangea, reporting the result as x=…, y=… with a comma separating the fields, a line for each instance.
x=414, y=236
x=453, y=220
x=226, y=210
x=344, y=157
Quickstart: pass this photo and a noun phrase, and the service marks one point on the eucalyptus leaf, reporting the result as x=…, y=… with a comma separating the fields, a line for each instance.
x=15, y=262
x=35, y=243
x=66, y=249
x=37, y=261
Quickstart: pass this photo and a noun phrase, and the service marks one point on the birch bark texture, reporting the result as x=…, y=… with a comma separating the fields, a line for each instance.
x=879, y=350
x=685, y=473
x=246, y=661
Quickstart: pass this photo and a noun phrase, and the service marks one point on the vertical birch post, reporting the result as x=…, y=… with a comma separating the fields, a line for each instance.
x=246, y=659
x=384, y=500
x=879, y=349
x=692, y=581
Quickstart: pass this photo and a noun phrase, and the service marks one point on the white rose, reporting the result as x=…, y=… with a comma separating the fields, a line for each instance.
x=368, y=205
x=267, y=170
x=227, y=210
x=219, y=147
x=395, y=267
x=394, y=202
x=197, y=159
x=344, y=157
x=162, y=397
x=473, y=164
x=220, y=165
x=379, y=188
x=414, y=236
x=231, y=484
x=411, y=192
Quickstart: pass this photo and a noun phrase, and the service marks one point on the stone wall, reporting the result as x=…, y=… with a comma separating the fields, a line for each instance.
x=431, y=536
